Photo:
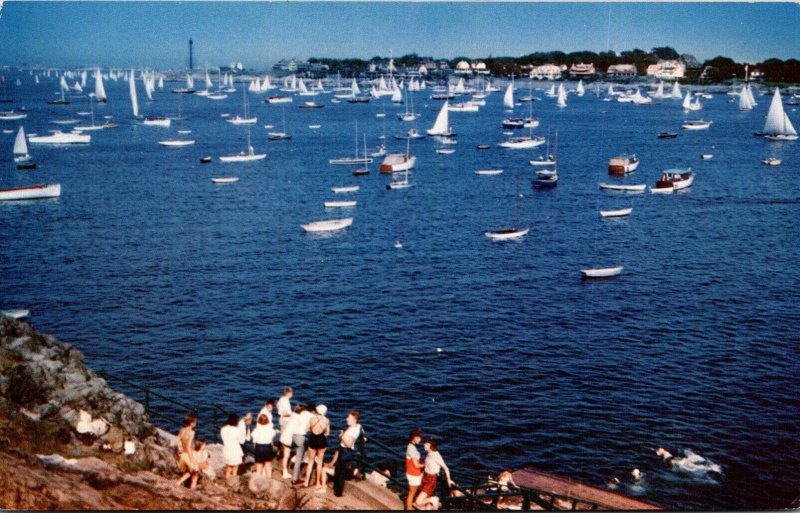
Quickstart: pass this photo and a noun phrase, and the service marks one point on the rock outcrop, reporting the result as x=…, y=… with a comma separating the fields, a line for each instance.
x=45, y=463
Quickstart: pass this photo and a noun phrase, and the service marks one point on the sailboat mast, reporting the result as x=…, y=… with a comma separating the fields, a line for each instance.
x=516, y=205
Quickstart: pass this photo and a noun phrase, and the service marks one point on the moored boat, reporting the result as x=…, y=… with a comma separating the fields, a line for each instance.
x=40, y=191
x=667, y=135
x=346, y=188
x=340, y=204
x=489, y=172
x=59, y=137
x=622, y=164
x=771, y=161
x=616, y=213
x=698, y=124
x=176, y=143
x=327, y=226
x=226, y=179
x=605, y=272
x=673, y=180
x=638, y=187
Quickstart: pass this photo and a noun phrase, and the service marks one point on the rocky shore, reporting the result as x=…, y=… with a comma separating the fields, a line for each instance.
x=45, y=463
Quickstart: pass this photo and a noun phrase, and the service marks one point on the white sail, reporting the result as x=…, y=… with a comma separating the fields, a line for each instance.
x=562, y=96
x=265, y=84
x=63, y=83
x=750, y=96
x=209, y=84
x=460, y=87
x=99, y=89
x=189, y=81
x=580, y=90
x=134, y=99
x=397, y=96
x=508, y=97
x=36, y=79
x=382, y=85
x=20, y=144
x=84, y=78
x=660, y=91
x=354, y=88
x=676, y=91
x=440, y=126
x=778, y=122
x=161, y=82
x=687, y=101
x=552, y=90
x=744, y=99
x=610, y=90
x=302, y=85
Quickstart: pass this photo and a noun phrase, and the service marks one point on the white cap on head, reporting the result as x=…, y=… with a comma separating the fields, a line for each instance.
x=322, y=409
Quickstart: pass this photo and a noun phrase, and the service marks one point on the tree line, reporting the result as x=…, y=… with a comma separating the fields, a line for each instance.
x=718, y=69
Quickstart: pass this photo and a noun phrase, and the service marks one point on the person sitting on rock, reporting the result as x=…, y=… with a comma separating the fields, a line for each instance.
x=202, y=458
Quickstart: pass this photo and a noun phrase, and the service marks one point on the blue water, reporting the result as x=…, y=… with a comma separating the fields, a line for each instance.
x=215, y=294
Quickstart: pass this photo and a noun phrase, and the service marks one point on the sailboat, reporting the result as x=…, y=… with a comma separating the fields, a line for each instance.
x=250, y=156
x=63, y=100
x=353, y=160
x=688, y=104
x=99, y=89
x=280, y=136
x=508, y=103
x=408, y=115
x=510, y=233
x=361, y=171
x=778, y=127
x=134, y=99
x=441, y=126
x=562, y=96
x=245, y=119
x=676, y=91
x=22, y=158
x=580, y=90
x=189, y=89
x=548, y=179
x=93, y=126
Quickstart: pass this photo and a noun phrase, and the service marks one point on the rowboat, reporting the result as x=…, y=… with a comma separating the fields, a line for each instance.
x=637, y=187
x=221, y=180
x=507, y=234
x=176, y=143
x=328, y=226
x=340, y=204
x=15, y=314
x=607, y=272
x=616, y=213
x=348, y=188
x=696, y=125
x=40, y=191
x=488, y=172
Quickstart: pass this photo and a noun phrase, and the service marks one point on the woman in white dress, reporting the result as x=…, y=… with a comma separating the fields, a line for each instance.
x=232, y=441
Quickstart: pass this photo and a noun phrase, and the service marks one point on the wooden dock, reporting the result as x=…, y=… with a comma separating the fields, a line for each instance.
x=564, y=493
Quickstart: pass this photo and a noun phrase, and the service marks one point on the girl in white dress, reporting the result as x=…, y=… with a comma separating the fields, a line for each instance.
x=232, y=441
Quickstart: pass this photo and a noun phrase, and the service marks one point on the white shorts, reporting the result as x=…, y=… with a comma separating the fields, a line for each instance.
x=414, y=480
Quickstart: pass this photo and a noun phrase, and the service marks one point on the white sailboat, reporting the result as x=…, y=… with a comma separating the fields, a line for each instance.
x=250, y=156
x=441, y=126
x=99, y=89
x=244, y=119
x=21, y=147
x=352, y=160
x=744, y=99
x=688, y=104
x=562, y=96
x=514, y=232
x=508, y=96
x=778, y=127
x=134, y=99
x=676, y=91
x=580, y=91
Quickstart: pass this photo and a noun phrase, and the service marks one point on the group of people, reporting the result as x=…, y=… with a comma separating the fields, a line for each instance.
x=303, y=430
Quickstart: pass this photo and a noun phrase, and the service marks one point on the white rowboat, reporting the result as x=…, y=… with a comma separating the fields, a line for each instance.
x=221, y=180
x=328, y=226
x=340, y=204
x=607, y=272
x=488, y=172
x=639, y=187
x=616, y=213
x=176, y=143
x=348, y=188
x=40, y=191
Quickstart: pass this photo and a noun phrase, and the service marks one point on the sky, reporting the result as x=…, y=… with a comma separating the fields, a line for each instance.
x=156, y=34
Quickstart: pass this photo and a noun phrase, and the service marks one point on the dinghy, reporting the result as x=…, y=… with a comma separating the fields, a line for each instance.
x=347, y=188
x=616, y=213
x=340, y=204
x=607, y=272
x=640, y=187
x=489, y=172
x=228, y=179
x=327, y=226
x=176, y=143
x=771, y=161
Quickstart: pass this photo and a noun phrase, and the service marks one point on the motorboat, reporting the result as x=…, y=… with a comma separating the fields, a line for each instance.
x=622, y=164
x=311, y=105
x=673, y=180
x=278, y=98
x=522, y=142
x=696, y=125
x=771, y=161
x=513, y=123
x=327, y=226
x=397, y=162
x=157, y=121
x=40, y=191
x=606, y=272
